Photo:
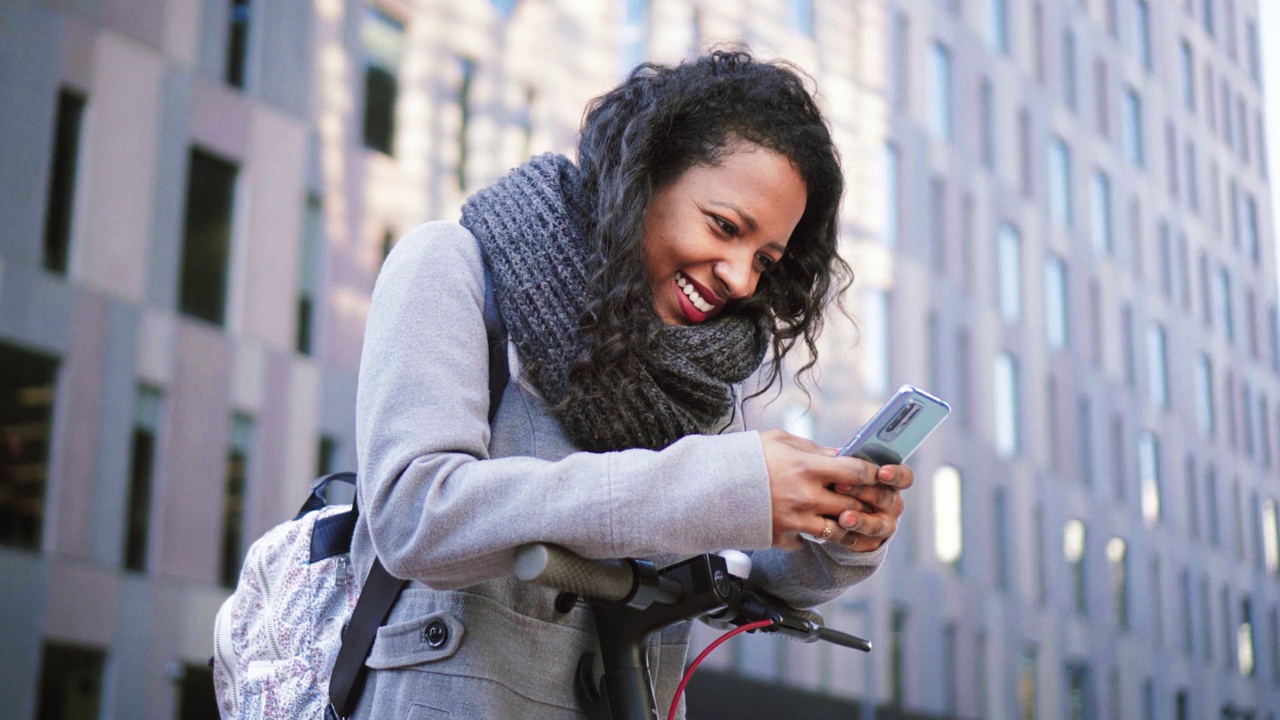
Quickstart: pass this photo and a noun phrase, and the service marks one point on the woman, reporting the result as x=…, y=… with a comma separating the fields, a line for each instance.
x=696, y=235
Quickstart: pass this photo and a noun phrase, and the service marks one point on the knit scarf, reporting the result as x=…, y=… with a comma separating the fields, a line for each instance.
x=531, y=227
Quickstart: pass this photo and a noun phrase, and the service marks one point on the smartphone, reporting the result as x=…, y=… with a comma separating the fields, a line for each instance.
x=898, y=428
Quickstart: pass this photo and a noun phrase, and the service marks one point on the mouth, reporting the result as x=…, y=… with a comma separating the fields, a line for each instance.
x=696, y=301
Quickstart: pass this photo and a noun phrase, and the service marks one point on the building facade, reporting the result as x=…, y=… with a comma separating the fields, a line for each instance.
x=1057, y=212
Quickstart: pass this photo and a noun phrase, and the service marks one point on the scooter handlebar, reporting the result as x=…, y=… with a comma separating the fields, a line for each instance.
x=560, y=569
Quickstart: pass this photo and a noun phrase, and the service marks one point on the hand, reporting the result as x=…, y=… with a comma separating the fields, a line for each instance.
x=868, y=527
x=802, y=475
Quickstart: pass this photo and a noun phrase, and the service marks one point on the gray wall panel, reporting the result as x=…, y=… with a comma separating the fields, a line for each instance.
x=172, y=153
x=35, y=309
x=115, y=432
x=285, y=57
x=23, y=602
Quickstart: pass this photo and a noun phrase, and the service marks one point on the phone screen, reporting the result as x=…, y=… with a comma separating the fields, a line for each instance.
x=898, y=428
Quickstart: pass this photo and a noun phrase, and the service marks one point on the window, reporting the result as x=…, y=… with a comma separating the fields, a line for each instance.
x=1069, y=90
x=1127, y=344
x=1142, y=28
x=1204, y=395
x=1119, y=461
x=1211, y=491
x=1186, y=69
x=1037, y=528
x=984, y=697
x=1230, y=22
x=1242, y=133
x=1118, y=561
x=1193, y=177
x=1055, y=301
x=1157, y=601
x=1228, y=629
x=1114, y=692
x=940, y=69
x=1246, y=407
x=1009, y=261
x=147, y=412
x=987, y=104
x=196, y=699
x=1224, y=303
x=1184, y=273
x=1113, y=17
x=1171, y=158
x=934, y=339
x=1079, y=705
x=62, y=180
x=382, y=38
x=1073, y=549
x=1024, y=150
x=1000, y=508
x=1206, y=303
x=875, y=340
x=1007, y=402
x=901, y=89
x=1084, y=421
x=1255, y=58
x=1206, y=16
x=1237, y=519
x=1273, y=320
x=238, y=465
x=998, y=25
x=1027, y=691
x=1148, y=700
x=1184, y=610
x=1157, y=367
x=1215, y=195
x=1210, y=105
x=1133, y=127
x=1095, y=320
x=1228, y=129
x=1149, y=476
x=800, y=17
x=1100, y=105
x=948, y=515
x=1100, y=206
x=237, y=43
x=467, y=71
x=1037, y=39
x=967, y=222
x=1251, y=226
x=1264, y=431
x=1206, y=618
x=70, y=681
x=949, y=667
x=1060, y=182
x=309, y=274
x=206, y=245
x=1193, y=504
x=892, y=203
x=938, y=224
x=964, y=363
x=27, y=389
x=897, y=656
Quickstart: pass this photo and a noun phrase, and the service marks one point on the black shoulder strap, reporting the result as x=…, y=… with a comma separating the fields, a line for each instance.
x=381, y=590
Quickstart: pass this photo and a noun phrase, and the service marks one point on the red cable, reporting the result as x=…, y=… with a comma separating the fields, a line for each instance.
x=675, y=702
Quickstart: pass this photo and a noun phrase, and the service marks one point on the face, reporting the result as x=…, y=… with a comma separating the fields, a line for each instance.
x=709, y=234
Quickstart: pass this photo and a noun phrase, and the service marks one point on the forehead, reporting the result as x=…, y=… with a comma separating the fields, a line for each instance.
x=761, y=181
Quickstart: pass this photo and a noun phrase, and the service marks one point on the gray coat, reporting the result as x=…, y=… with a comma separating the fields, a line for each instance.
x=446, y=497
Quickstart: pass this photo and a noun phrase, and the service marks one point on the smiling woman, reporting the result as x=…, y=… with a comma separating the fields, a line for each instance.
x=637, y=290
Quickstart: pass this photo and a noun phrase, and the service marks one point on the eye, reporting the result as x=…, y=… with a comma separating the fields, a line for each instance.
x=766, y=262
x=725, y=226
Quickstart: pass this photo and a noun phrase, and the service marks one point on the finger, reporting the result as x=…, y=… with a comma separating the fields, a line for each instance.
x=841, y=471
x=831, y=503
x=874, y=525
x=882, y=497
x=800, y=443
x=899, y=476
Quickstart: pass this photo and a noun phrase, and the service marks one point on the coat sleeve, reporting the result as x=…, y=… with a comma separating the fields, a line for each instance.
x=441, y=512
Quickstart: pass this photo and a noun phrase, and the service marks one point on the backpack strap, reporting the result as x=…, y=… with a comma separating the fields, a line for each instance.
x=381, y=589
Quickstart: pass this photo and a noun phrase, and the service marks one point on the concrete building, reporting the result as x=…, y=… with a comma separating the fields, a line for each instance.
x=1058, y=216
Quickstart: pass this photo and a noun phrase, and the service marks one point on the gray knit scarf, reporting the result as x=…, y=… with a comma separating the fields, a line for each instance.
x=531, y=228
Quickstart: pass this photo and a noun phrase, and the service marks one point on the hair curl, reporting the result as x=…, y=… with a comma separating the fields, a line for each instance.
x=639, y=138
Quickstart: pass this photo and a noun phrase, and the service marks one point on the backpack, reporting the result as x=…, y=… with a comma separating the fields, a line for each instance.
x=282, y=645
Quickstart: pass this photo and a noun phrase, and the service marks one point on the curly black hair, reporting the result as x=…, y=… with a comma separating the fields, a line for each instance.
x=639, y=138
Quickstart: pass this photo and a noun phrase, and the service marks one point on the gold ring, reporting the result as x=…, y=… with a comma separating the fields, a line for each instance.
x=826, y=529
x=853, y=545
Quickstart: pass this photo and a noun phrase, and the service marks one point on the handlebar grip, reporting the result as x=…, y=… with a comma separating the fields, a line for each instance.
x=560, y=569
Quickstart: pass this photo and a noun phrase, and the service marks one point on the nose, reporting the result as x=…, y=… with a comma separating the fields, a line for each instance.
x=736, y=275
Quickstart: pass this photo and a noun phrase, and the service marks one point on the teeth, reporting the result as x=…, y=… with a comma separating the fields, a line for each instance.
x=694, y=297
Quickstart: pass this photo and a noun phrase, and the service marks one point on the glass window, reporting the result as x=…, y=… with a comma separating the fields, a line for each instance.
x=1193, y=504
x=1149, y=476
x=938, y=245
x=940, y=70
x=237, y=43
x=964, y=364
x=1069, y=90
x=1027, y=690
x=949, y=667
x=1230, y=22
x=1171, y=158
x=1007, y=404
x=1060, y=182
x=1206, y=16
x=147, y=413
x=1255, y=57
x=1142, y=23
x=237, y=477
x=1024, y=150
x=1206, y=618
x=196, y=698
x=1001, y=510
x=1246, y=407
x=1184, y=610
x=1242, y=133
x=800, y=17
x=998, y=25
x=27, y=393
x=1118, y=560
x=892, y=203
x=1038, y=546
x=1133, y=127
x=1100, y=206
x=1079, y=705
x=948, y=515
x=1264, y=431
x=1127, y=344
x=1037, y=39
x=1166, y=259
x=1119, y=457
x=1157, y=368
x=635, y=44
x=1009, y=261
x=1084, y=421
x=1251, y=227
x=309, y=274
x=206, y=247
x=70, y=681
x=1193, y=177
x=1100, y=104
x=988, y=124
x=875, y=340
x=1157, y=601
x=62, y=180
x=1210, y=105
x=1055, y=301
x=1095, y=320
x=1186, y=69
x=1073, y=549
x=898, y=656
x=1211, y=492
x=1223, y=287
x=1228, y=629
x=1204, y=395
x=467, y=72
x=382, y=38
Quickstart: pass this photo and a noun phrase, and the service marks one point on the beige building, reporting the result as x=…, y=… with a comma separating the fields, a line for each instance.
x=1057, y=211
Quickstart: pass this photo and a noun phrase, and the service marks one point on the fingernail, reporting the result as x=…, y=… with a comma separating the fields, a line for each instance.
x=844, y=488
x=886, y=473
x=848, y=520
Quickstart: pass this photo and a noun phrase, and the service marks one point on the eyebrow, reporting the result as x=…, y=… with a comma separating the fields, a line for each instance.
x=750, y=221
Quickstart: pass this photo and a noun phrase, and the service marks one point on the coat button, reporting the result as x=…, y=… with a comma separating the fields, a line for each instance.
x=436, y=634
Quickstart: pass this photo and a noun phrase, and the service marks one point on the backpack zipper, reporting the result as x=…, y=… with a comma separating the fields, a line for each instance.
x=221, y=644
x=268, y=611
